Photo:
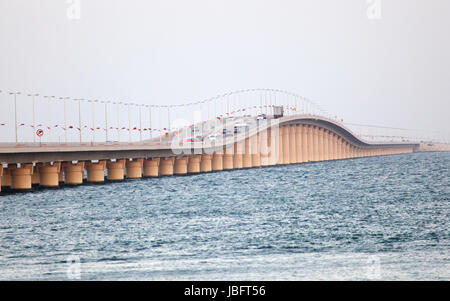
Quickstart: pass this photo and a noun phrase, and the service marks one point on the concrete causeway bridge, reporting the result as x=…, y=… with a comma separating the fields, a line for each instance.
x=244, y=129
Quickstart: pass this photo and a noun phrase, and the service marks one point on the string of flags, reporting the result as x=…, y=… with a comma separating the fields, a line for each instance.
x=135, y=128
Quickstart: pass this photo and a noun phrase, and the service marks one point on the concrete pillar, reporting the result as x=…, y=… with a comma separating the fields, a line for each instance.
x=256, y=151
x=61, y=176
x=280, y=145
x=321, y=143
x=339, y=147
x=134, y=168
x=247, y=157
x=73, y=173
x=49, y=174
x=151, y=168
x=116, y=170
x=298, y=143
x=346, y=150
x=304, y=143
x=21, y=176
x=264, y=148
x=181, y=166
x=292, y=144
x=310, y=143
x=326, y=145
x=238, y=154
x=336, y=147
x=206, y=164
x=1, y=175
x=217, y=161
x=35, y=179
x=272, y=144
x=95, y=172
x=166, y=166
x=228, y=157
x=316, y=144
x=194, y=164
x=6, y=178
x=286, y=143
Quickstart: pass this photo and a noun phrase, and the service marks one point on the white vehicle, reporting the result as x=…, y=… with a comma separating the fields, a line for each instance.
x=212, y=137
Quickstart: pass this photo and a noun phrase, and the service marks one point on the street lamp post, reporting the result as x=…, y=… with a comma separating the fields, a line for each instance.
x=79, y=118
x=34, y=116
x=118, y=123
x=15, y=112
x=65, y=117
x=49, y=98
x=106, y=119
x=140, y=123
x=129, y=124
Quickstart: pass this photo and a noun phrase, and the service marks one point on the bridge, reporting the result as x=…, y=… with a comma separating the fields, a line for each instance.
x=243, y=129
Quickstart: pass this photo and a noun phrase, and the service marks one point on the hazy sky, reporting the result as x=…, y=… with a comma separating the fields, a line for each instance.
x=392, y=71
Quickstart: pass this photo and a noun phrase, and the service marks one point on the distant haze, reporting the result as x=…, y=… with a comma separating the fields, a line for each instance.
x=393, y=70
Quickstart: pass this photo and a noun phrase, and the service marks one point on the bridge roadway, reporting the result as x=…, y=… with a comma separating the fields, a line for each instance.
x=286, y=140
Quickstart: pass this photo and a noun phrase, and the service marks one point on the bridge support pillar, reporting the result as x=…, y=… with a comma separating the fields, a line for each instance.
x=304, y=129
x=73, y=173
x=166, y=166
x=272, y=145
x=35, y=179
x=326, y=145
x=228, y=158
x=6, y=178
x=316, y=144
x=21, y=176
x=320, y=135
x=264, y=148
x=194, y=164
x=217, y=161
x=247, y=157
x=286, y=147
x=292, y=144
x=181, y=166
x=95, y=172
x=134, y=168
x=256, y=150
x=298, y=144
x=49, y=174
x=116, y=170
x=239, y=148
x=151, y=168
x=61, y=176
x=280, y=137
x=340, y=148
x=206, y=163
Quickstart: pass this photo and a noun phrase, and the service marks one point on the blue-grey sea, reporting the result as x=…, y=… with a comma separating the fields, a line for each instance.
x=379, y=218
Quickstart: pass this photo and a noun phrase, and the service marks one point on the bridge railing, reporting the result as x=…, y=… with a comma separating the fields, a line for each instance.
x=70, y=120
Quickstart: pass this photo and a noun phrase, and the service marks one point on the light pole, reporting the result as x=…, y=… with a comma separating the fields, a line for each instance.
x=168, y=119
x=160, y=124
x=118, y=123
x=93, y=119
x=129, y=124
x=15, y=112
x=150, y=121
x=79, y=117
x=34, y=116
x=106, y=118
x=140, y=123
x=65, y=117
x=49, y=98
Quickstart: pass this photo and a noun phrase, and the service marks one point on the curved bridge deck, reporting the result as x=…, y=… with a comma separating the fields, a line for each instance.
x=286, y=140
